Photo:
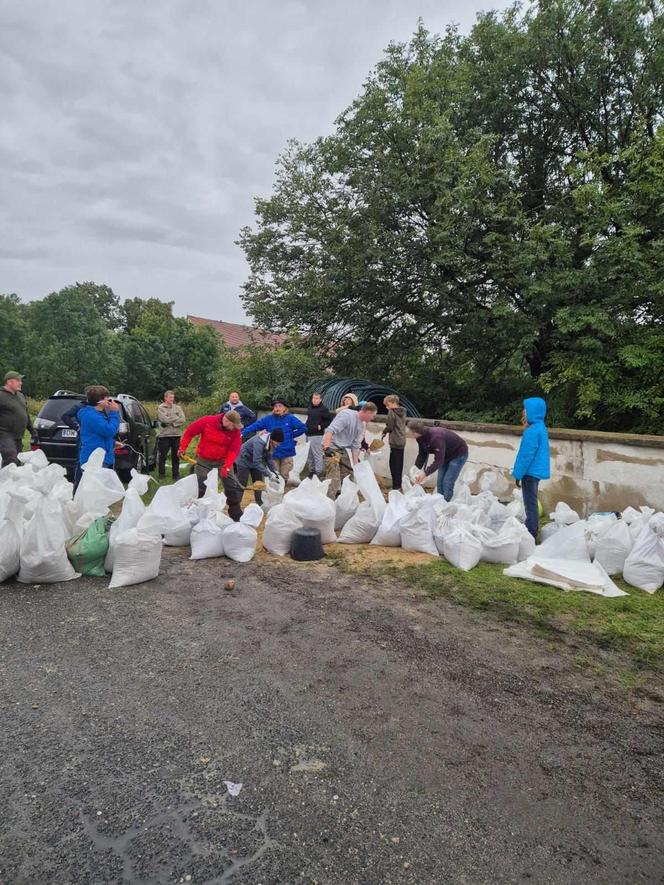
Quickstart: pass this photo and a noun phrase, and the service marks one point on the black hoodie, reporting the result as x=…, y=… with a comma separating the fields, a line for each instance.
x=318, y=418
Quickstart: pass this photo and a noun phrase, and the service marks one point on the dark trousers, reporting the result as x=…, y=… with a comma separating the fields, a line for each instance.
x=232, y=488
x=256, y=475
x=396, y=467
x=10, y=446
x=166, y=444
x=529, y=486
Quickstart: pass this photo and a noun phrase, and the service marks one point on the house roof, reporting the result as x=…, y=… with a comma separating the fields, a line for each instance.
x=236, y=335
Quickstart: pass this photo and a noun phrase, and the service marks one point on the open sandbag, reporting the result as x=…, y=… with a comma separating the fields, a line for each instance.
x=133, y=509
x=43, y=554
x=366, y=480
x=389, y=530
x=346, y=504
x=207, y=536
x=644, y=566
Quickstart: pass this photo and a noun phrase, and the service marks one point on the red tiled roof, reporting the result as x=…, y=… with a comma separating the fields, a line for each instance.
x=235, y=335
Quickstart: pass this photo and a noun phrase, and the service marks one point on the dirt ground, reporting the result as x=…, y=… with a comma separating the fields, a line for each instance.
x=380, y=737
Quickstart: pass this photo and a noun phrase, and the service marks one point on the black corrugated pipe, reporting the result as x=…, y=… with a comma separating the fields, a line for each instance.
x=334, y=389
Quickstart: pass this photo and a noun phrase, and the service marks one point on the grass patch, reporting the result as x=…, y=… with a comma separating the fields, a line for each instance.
x=631, y=624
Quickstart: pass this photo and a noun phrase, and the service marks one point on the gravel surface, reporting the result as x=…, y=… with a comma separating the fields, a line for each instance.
x=380, y=737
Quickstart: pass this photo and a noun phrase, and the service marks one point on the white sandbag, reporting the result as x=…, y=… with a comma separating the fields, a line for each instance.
x=98, y=489
x=641, y=519
x=516, y=507
x=132, y=510
x=366, y=480
x=207, y=536
x=275, y=486
x=36, y=459
x=563, y=514
x=569, y=542
x=389, y=530
x=613, y=546
x=503, y=546
x=461, y=547
x=136, y=558
x=310, y=505
x=567, y=574
x=360, y=528
x=240, y=538
x=139, y=482
x=180, y=534
x=416, y=529
x=644, y=567
x=548, y=530
x=299, y=462
x=44, y=558
x=462, y=494
x=279, y=528
x=526, y=545
x=166, y=515
x=10, y=549
x=346, y=504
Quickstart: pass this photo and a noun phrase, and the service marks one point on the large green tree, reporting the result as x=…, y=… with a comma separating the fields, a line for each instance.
x=485, y=219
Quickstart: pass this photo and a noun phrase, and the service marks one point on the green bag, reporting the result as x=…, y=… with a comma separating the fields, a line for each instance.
x=88, y=550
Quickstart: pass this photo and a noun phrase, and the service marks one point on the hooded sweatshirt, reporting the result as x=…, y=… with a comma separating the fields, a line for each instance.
x=533, y=456
x=395, y=425
x=245, y=413
x=445, y=445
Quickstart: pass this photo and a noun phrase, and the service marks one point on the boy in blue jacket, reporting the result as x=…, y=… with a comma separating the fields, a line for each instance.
x=533, y=460
x=99, y=422
x=292, y=427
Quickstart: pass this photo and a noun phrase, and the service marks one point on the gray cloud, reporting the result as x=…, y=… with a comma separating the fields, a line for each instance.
x=135, y=136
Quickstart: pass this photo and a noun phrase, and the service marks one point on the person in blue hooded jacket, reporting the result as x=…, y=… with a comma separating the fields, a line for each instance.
x=292, y=427
x=533, y=460
x=99, y=422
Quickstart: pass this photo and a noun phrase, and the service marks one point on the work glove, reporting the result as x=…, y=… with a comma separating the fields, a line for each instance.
x=224, y=472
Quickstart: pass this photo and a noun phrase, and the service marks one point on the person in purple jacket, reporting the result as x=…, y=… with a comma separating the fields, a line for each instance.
x=449, y=451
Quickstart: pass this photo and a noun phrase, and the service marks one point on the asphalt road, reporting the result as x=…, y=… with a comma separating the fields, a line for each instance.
x=379, y=738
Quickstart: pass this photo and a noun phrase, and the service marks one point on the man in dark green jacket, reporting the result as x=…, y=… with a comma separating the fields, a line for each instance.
x=14, y=419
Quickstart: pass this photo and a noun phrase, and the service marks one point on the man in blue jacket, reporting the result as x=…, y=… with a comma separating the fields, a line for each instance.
x=292, y=427
x=99, y=422
x=235, y=404
x=533, y=460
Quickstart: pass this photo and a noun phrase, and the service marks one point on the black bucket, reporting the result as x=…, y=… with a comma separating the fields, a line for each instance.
x=306, y=545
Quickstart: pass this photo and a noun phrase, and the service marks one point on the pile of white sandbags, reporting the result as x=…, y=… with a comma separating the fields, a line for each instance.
x=306, y=506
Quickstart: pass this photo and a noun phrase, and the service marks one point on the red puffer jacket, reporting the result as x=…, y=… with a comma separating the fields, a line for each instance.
x=216, y=443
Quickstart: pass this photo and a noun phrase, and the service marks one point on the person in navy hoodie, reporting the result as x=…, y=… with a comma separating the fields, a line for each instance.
x=99, y=422
x=235, y=404
x=292, y=427
x=533, y=460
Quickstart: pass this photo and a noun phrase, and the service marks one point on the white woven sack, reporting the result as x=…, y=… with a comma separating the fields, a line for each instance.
x=613, y=547
x=10, y=550
x=299, y=461
x=310, y=505
x=644, y=567
x=366, y=480
x=240, y=538
x=279, y=528
x=132, y=510
x=416, y=529
x=503, y=546
x=136, y=558
x=43, y=555
x=360, y=528
x=346, y=504
x=389, y=530
x=461, y=547
x=207, y=539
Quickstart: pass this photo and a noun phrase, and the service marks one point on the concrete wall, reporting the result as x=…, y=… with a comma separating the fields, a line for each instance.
x=589, y=470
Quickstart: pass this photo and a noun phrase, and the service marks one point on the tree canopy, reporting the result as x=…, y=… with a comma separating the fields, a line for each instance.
x=486, y=219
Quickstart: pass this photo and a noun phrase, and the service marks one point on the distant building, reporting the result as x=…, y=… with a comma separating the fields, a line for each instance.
x=234, y=335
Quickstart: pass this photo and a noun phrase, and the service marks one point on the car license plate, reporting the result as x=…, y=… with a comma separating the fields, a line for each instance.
x=70, y=433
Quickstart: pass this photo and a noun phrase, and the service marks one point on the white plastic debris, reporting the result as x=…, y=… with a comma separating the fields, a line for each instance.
x=233, y=789
x=567, y=574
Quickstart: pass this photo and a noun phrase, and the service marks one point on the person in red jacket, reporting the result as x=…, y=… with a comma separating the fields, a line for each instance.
x=218, y=446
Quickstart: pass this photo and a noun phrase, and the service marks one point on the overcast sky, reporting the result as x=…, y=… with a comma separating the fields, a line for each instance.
x=135, y=135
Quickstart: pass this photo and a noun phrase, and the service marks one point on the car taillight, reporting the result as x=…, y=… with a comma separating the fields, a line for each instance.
x=34, y=447
x=122, y=450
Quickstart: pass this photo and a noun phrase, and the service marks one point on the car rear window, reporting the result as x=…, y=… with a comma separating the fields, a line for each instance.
x=54, y=409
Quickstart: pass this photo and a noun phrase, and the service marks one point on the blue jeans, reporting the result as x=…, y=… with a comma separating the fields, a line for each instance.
x=529, y=487
x=448, y=475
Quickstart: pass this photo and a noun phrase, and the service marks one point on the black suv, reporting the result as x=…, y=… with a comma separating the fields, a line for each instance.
x=136, y=440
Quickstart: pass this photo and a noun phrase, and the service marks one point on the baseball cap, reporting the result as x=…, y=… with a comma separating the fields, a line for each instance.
x=14, y=376
x=233, y=417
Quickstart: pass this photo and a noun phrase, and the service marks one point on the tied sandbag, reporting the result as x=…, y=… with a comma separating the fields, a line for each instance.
x=132, y=510
x=569, y=542
x=637, y=519
x=10, y=550
x=310, y=505
x=346, y=504
x=98, y=489
x=299, y=462
x=136, y=558
x=417, y=526
x=275, y=486
x=279, y=528
x=461, y=546
x=644, y=567
x=43, y=555
x=240, y=538
x=561, y=516
x=172, y=512
x=207, y=536
x=613, y=546
x=36, y=459
x=503, y=547
x=360, y=528
x=389, y=530
x=88, y=551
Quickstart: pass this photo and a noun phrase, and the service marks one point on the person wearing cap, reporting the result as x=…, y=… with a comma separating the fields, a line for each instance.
x=255, y=458
x=14, y=418
x=292, y=428
x=218, y=446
